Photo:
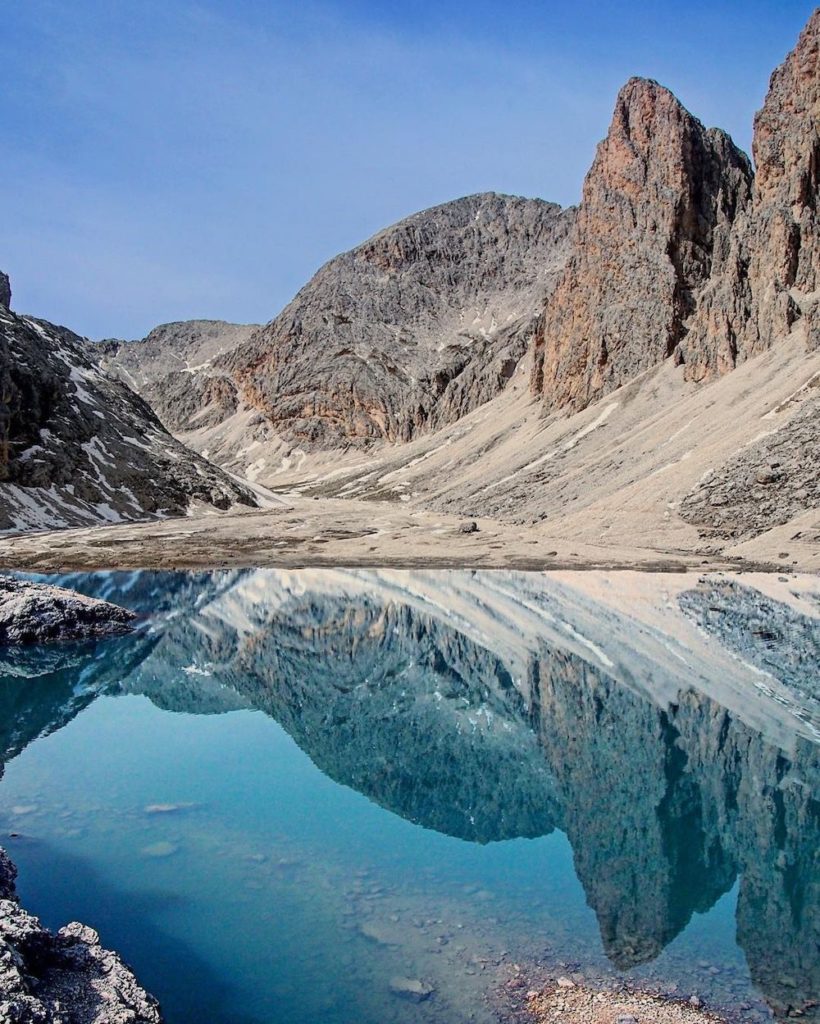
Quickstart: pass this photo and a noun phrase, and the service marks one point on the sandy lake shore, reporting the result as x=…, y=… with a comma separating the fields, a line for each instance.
x=339, y=532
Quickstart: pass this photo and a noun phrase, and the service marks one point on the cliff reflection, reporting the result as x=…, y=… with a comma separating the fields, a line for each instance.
x=666, y=802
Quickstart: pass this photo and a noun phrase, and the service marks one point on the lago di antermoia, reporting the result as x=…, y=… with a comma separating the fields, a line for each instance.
x=410, y=617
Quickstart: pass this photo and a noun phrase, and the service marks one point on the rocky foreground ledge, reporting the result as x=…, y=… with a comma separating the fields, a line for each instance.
x=67, y=978
x=33, y=613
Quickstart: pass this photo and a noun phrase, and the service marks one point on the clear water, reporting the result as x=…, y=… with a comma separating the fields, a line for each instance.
x=286, y=790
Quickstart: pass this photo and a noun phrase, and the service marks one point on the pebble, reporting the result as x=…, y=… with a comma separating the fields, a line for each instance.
x=159, y=850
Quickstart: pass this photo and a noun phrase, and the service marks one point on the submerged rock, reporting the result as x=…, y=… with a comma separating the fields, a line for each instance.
x=65, y=978
x=34, y=613
x=412, y=989
x=159, y=851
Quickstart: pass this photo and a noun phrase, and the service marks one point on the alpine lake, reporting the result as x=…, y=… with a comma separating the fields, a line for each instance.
x=372, y=797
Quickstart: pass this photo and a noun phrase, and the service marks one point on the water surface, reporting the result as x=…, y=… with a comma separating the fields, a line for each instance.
x=288, y=789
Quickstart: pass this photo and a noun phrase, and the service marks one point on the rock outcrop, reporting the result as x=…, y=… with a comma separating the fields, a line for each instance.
x=5, y=291
x=411, y=330
x=34, y=613
x=768, y=634
x=653, y=228
x=79, y=447
x=763, y=485
x=67, y=978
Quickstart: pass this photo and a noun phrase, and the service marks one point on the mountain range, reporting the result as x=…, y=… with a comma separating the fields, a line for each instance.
x=644, y=368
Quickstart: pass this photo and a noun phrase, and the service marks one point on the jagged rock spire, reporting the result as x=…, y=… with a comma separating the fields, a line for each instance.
x=657, y=210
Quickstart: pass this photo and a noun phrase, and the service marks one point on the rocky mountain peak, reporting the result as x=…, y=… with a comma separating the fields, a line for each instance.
x=657, y=209
x=785, y=238
x=410, y=330
x=5, y=291
x=773, y=265
x=647, y=119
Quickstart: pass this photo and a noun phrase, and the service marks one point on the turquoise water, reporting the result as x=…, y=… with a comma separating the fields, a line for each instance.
x=286, y=791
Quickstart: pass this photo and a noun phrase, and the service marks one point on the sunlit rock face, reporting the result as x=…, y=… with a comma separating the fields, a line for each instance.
x=680, y=250
x=668, y=797
x=652, y=229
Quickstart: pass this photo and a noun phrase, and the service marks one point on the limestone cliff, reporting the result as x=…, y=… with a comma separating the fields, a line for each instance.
x=679, y=250
x=771, y=276
x=653, y=228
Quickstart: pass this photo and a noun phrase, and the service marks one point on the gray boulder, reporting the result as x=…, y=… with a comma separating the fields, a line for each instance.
x=33, y=613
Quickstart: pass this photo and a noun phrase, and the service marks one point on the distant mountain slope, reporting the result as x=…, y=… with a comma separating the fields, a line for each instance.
x=172, y=368
x=79, y=447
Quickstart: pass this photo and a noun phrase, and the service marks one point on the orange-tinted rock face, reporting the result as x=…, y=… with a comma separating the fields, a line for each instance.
x=654, y=226
x=678, y=252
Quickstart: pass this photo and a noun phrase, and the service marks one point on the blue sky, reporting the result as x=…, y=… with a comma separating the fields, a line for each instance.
x=166, y=160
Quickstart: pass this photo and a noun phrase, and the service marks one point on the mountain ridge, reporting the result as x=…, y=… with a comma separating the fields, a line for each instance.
x=78, y=446
x=448, y=361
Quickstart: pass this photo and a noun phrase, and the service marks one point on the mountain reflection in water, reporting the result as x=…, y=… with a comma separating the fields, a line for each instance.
x=667, y=726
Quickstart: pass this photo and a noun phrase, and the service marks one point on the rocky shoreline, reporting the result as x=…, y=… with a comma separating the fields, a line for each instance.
x=67, y=977
x=582, y=1004
x=62, y=978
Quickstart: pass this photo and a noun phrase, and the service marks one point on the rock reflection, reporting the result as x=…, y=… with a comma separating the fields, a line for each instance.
x=451, y=708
